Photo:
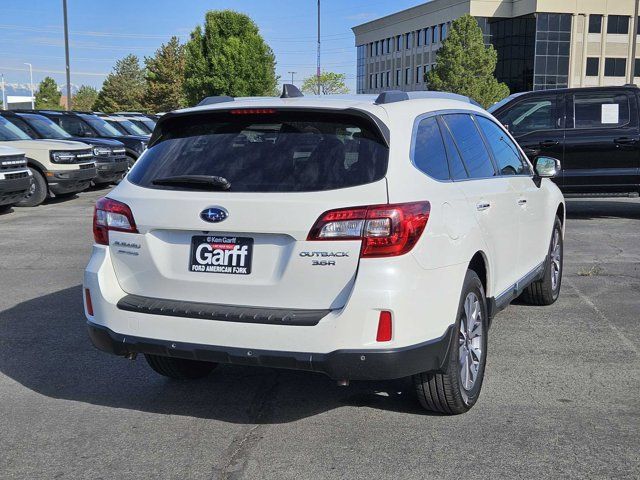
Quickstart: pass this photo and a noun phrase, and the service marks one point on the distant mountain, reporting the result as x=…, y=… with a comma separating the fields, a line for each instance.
x=23, y=88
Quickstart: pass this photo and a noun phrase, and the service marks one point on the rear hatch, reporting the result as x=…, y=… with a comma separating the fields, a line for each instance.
x=247, y=244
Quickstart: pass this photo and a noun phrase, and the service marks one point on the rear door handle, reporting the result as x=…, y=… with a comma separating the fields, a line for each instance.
x=483, y=206
x=522, y=201
x=625, y=141
x=549, y=143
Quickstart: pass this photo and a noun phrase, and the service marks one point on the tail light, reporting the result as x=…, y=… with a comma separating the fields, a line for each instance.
x=110, y=215
x=87, y=298
x=385, y=230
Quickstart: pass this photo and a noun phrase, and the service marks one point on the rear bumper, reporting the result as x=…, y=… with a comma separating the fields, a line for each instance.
x=370, y=364
x=12, y=190
x=111, y=171
x=68, y=181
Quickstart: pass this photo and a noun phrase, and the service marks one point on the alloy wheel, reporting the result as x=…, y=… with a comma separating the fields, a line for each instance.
x=556, y=260
x=470, y=342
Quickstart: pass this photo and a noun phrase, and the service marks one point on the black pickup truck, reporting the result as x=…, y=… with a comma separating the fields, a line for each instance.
x=594, y=132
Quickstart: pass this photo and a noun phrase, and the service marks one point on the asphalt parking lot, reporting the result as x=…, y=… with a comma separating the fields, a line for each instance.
x=560, y=399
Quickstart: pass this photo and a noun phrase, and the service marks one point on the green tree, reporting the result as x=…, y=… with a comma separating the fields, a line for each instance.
x=165, y=76
x=85, y=98
x=330, y=83
x=123, y=89
x=228, y=57
x=465, y=66
x=48, y=95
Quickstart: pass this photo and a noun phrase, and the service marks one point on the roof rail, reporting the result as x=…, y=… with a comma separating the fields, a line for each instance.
x=392, y=96
x=214, y=100
x=290, y=91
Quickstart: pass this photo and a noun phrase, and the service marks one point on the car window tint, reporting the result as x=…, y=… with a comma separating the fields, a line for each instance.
x=600, y=110
x=530, y=116
x=470, y=145
x=71, y=125
x=456, y=166
x=272, y=152
x=505, y=152
x=429, y=155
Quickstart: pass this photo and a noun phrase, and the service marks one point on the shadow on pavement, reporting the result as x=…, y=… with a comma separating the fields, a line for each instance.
x=591, y=209
x=44, y=346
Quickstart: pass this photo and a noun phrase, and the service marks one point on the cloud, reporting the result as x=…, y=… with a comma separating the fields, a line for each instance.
x=361, y=16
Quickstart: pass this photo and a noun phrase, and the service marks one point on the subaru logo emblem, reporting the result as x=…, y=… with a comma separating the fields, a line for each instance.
x=214, y=214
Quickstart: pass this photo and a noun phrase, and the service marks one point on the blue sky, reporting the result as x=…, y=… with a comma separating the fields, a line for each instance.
x=102, y=31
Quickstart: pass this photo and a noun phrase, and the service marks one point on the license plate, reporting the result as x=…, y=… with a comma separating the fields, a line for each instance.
x=220, y=254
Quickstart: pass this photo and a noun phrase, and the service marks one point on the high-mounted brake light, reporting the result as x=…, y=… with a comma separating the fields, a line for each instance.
x=385, y=230
x=252, y=111
x=111, y=215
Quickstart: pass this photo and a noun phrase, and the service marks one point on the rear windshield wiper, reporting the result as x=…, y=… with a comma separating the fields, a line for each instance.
x=205, y=182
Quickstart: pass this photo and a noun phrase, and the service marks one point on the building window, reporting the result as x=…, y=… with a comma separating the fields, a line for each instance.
x=388, y=75
x=398, y=77
x=434, y=34
x=636, y=72
x=418, y=75
x=377, y=49
x=443, y=31
x=418, y=39
x=407, y=76
x=389, y=45
x=427, y=36
x=370, y=81
x=593, y=66
x=408, y=38
x=618, y=24
x=553, y=41
x=615, y=67
x=595, y=23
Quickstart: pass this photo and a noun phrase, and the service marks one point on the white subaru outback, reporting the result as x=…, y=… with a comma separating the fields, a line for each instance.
x=363, y=237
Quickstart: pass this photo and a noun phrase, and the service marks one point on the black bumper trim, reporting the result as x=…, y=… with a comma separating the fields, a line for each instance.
x=67, y=181
x=223, y=313
x=111, y=171
x=379, y=364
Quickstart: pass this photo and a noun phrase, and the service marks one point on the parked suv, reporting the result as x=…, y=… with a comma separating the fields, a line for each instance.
x=86, y=124
x=58, y=167
x=594, y=132
x=111, y=161
x=15, y=178
x=364, y=237
x=124, y=125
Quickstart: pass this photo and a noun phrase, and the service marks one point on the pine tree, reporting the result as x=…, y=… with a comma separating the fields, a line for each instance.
x=465, y=66
x=123, y=89
x=330, y=83
x=85, y=98
x=48, y=96
x=165, y=76
x=228, y=57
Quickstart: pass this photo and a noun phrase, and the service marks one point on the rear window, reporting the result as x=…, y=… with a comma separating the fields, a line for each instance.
x=274, y=152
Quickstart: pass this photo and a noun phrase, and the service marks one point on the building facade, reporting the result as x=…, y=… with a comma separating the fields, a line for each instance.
x=541, y=44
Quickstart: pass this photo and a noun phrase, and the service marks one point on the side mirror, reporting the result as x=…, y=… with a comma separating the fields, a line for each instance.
x=547, y=167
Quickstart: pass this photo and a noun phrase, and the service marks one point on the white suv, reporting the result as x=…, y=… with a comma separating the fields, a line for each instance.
x=363, y=237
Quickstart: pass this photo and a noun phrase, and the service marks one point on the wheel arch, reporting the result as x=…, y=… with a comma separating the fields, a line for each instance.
x=480, y=264
x=562, y=214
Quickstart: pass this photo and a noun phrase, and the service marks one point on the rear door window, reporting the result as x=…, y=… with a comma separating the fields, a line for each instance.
x=276, y=151
x=470, y=145
x=429, y=154
x=600, y=110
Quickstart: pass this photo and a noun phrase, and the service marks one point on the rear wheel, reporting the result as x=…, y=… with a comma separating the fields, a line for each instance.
x=547, y=290
x=179, y=368
x=457, y=390
x=37, y=191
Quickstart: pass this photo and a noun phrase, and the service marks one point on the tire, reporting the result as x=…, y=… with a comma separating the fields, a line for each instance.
x=456, y=391
x=38, y=191
x=180, y=368
x=547, y=290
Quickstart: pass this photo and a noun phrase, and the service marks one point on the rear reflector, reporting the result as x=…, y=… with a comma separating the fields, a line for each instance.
x=111, y=215
x=87, y=298
x=385, y=230
x=385, y=328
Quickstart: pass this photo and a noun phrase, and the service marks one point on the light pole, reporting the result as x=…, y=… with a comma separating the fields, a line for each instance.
x=66, y=53
x=634, y=36
x=31, y=85
x=292, y=74
x=318, y=67
x=4, y=105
